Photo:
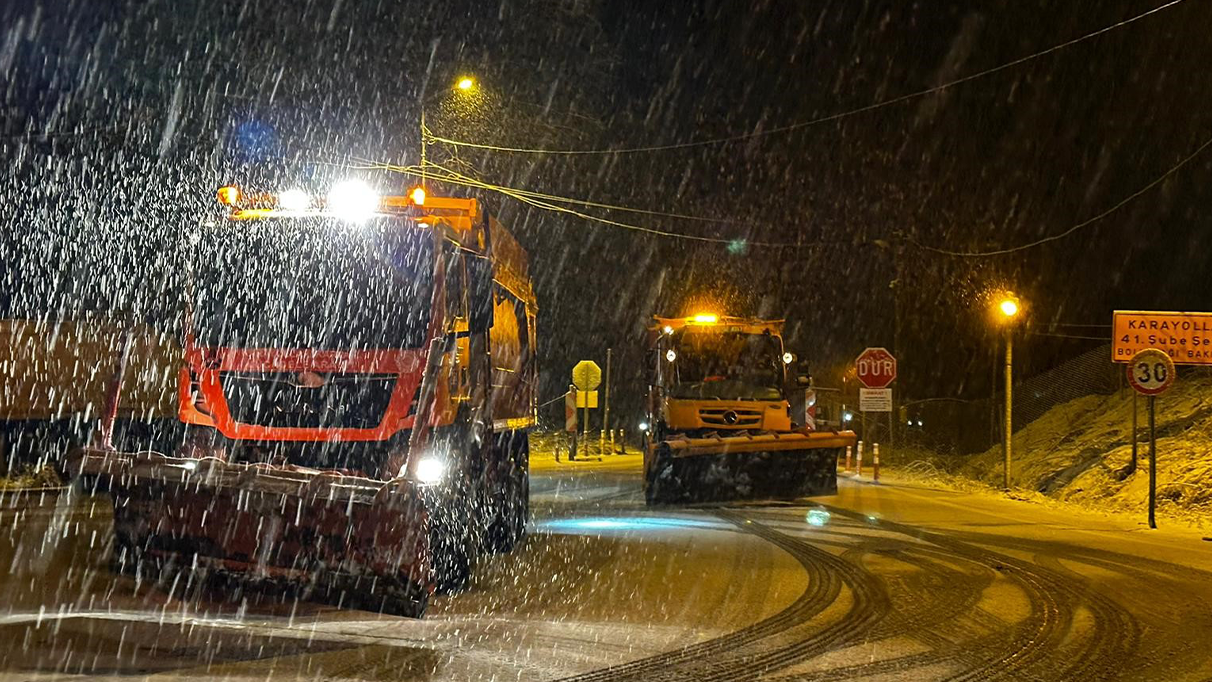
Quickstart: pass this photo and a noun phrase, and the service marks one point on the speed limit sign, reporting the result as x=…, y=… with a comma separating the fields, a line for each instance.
x=1151, y=372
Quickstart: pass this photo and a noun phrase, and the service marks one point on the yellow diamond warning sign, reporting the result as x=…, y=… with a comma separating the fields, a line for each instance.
x=1185, y=337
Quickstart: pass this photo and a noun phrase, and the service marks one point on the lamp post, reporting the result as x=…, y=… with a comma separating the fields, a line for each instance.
x=1007, y=312
x=464, y=86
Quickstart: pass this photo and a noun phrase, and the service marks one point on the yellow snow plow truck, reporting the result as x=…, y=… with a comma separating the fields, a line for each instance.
x=720, y=425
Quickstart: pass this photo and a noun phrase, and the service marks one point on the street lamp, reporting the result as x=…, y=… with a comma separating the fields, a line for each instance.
x=465, y=85
x=1008, y=309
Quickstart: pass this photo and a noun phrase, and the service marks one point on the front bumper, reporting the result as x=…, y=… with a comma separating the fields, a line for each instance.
x=266, y=521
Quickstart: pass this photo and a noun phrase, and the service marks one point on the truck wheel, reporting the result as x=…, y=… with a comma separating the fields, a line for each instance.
x=659, y=482
x=409, y=603
x=456, y=519
x=393, y=597
x=451, y=562
x=513, y=508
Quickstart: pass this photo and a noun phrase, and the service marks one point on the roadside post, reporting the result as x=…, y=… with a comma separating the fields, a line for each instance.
x=570, y=421
x=1151, y=373
x=847, y=459
x=858, y=469
x=875, y=462
x=606, y=412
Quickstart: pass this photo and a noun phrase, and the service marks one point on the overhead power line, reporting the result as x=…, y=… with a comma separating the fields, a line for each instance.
x=816, y=121
x=1075, y=337
x=610, y=207
x=549, y=202
x=1085, y=223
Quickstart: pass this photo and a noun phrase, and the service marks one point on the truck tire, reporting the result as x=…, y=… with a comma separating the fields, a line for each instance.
x=659, y=481
x=513, y=505
x=412, y=602
x=454, y=508
x=450, y=558
x=400, y=597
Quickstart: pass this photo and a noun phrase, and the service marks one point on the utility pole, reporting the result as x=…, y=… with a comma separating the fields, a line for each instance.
x=1009, y=403
x=893, y=415
x=606, y=413
x=424, y=185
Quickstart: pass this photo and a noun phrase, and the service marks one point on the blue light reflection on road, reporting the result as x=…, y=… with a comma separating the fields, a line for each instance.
x=596, y=525
x=817, y=517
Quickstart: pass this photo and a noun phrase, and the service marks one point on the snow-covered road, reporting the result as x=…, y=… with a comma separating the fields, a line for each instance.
x=879, y=582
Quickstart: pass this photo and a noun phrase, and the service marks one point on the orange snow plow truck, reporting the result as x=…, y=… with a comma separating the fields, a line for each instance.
x=355, y=398
x=720, y=424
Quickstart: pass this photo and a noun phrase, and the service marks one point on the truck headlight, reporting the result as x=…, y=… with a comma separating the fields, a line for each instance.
x=353, y=200
x=430, y=469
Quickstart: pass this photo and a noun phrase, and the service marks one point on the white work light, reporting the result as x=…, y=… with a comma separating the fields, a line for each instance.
x=294, y=200
x=353, y=200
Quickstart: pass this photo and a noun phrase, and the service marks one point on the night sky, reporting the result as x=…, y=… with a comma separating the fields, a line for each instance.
x=165, y=100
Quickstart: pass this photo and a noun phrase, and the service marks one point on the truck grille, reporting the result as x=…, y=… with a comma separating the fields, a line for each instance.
x=290, y=400
x=730, y=417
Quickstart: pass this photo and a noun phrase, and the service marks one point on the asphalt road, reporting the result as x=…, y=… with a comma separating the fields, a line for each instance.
x=888, y=582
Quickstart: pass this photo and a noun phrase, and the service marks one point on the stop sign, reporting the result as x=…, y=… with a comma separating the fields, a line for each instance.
x=876, y=368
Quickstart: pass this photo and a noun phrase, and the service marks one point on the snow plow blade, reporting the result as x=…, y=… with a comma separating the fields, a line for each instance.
x=347, y=540
x=717, y=468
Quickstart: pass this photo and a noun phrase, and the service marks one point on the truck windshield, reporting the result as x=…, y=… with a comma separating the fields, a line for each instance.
x=312, y=283
x=727, y=366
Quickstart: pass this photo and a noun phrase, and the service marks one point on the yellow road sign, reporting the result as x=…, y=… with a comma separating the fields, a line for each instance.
x=1185, y=337
x=586, y=376
x=587, y=399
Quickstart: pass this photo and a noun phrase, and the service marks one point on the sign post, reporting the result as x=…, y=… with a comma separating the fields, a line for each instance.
x=876, y=369
x=1152, y=342
x=1151, y=372
x=586, y=377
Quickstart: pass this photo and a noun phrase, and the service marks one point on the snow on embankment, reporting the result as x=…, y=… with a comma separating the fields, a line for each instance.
x=1081, y=451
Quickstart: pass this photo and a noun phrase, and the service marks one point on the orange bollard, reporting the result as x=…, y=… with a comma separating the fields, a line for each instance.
x=859, y=460
x=847, y=459
x=875, y=462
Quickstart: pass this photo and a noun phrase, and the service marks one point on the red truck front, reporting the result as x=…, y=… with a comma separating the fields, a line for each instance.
x=335, y=399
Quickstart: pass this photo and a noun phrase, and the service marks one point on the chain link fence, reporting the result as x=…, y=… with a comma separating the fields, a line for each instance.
x=952, y=426
x=968, y=426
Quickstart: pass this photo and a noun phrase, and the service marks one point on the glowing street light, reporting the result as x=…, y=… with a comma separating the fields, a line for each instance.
x=466, y=87
x=1008, y=309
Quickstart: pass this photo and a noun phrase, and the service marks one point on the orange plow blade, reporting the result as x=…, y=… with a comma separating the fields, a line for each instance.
x=748, y=466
